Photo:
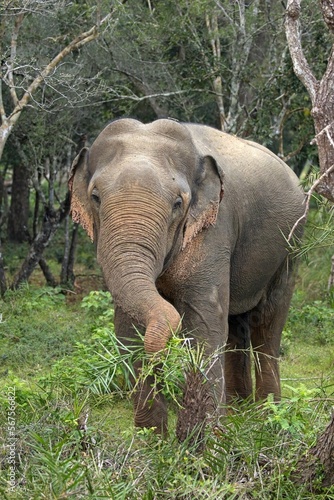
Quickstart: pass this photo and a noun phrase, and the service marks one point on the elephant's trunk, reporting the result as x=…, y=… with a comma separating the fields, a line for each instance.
x=131, y=249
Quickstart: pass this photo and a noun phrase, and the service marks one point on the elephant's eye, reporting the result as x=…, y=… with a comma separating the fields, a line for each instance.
x=178, y=203
x=95, y=196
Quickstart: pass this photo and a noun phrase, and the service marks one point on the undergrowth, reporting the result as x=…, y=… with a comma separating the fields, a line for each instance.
x=68, y=382
x=70, y=443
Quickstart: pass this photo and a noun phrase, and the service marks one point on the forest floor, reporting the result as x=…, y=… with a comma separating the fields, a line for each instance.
x=67, y=415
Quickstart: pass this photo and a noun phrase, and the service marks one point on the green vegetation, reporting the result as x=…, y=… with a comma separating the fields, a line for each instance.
x=74, y=434
x=65, y=382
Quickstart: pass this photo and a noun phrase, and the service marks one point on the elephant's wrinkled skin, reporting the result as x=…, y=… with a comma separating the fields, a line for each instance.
x=191, y=222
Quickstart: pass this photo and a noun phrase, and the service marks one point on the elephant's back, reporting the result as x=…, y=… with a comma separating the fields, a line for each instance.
x=238, y=155
x=252, y=172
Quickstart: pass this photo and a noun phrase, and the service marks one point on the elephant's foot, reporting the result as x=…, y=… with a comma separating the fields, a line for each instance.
x=151, y=413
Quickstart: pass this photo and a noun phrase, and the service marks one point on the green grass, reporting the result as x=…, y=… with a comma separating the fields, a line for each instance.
x=38, y=328
x=74, y=435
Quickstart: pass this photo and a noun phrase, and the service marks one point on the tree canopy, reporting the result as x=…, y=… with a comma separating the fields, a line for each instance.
x=69, y=67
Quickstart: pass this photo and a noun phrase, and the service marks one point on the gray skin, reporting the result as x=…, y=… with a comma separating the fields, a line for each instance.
x=191, y=222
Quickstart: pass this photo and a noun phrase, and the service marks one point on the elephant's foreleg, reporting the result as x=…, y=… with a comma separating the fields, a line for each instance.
x=207, y=323
x=150, y=408
x=237, y=359
x=149, y=403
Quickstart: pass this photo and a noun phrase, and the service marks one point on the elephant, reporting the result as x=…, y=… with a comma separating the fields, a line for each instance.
x=191, y=227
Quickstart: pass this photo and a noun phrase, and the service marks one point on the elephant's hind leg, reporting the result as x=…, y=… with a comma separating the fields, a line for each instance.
x=237, y=359
x=266, y=322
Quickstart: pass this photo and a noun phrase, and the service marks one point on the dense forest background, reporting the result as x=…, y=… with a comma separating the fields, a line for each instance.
x=225, y=64
x=67, y=69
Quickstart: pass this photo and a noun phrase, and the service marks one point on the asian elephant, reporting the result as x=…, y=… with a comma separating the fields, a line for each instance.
x=190, y=222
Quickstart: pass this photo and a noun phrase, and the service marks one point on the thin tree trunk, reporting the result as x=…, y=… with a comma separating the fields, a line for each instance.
x=243, y=38
x=49, y=278
x=213, y=30
x=3, y=199
x=64, y=264
x=67, y=269
x=36, y=207
x=71, y=257
x=2, y=194
x=51, y=222
x=3, y=282
x=19, y=208
x=67, y=273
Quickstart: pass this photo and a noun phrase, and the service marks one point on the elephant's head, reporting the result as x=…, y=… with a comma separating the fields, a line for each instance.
x=142, y=193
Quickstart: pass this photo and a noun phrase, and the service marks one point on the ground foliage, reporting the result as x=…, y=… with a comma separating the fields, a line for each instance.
x=74, y=430
x=74, y=436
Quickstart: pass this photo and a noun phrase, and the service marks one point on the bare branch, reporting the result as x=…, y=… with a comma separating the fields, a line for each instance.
x=327, y=8
x=239, y=62
x=300, y=64
x=284, y=116
x=325, y=130
x=224, y=11
x=329, y=137
x=2, y=108
x=17, y=25
x=297, y=150
x=212, y=27
x=308, y=197
x=76, y=43
x=134, y=97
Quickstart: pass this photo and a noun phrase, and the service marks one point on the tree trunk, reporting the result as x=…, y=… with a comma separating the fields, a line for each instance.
x=2, y=198
x=71, y=257
x=49, y=278
x=3, y=283
x=321, y=92
x=64, y=264
x=323, y=115
x=321, y=454
x=322, y=97
x=18, y=216
x=50, y=224
x=4, y=205
x=67, y=275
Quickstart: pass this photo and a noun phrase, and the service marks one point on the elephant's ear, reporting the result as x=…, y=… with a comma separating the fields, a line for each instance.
x=78, y=184
x=207, y=196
